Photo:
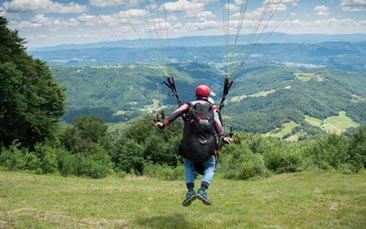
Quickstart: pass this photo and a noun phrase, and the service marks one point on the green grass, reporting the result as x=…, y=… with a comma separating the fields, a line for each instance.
x=313, y=121
x=304, y=76
x=299, y=200
x=262, y=93
x=286, y=128
x=340, y=123
x=334, y=124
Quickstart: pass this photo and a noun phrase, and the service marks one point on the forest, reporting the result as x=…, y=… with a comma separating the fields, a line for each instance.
x=33, y=136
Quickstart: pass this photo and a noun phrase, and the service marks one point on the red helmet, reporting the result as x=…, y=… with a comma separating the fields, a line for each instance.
x=203, y=90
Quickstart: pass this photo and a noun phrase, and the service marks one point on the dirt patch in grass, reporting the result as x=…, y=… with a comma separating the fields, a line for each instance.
x=101, y=223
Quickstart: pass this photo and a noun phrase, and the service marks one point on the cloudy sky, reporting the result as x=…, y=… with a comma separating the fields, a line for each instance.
x=52, y=22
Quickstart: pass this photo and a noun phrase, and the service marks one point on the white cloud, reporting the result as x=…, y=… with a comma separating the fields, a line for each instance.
x=321, y=10
x=40, y=20
x=205, y=14
x=353, y=5
x=231, y=7
x=203, y=25
x=106, y=3
x=275, y=2
x=44, y=6
x=205, y=2
x=88, y=19
x=239, y=2
x=132, y=13
x=151, y=7
x=111, y=3
x=278, y=7
x=183, y=6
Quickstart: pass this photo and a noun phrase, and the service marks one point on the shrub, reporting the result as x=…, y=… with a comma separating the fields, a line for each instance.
x=329, y=152
x=66, y=162
x=95, y=164
x=357, y=151
x=282, y=161
x=131, y=157
x=241, y=163
x=12, y=157
x=47, y=157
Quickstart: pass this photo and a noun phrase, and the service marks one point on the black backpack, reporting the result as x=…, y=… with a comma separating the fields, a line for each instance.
x=198, y=142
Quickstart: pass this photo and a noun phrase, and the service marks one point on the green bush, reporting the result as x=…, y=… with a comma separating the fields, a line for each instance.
x=239, y=162
x=66, y=163
x=32, y=162
x=357, y=150
x=329, y=152
x=48, y=158
x=131, y=158
x=13, y=158
x=282, y=161
x=96, y=163
x=94, y=166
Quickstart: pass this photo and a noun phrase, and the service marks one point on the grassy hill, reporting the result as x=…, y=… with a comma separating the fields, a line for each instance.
x=299, y=200
x=264, y=97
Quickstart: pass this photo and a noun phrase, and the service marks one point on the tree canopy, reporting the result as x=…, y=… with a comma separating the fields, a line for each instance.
x=31, y=101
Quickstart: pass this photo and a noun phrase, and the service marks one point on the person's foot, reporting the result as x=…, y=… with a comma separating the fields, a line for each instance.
x=190, y=196
x=202, y=195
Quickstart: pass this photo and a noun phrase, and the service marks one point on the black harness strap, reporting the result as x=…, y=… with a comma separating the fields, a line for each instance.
x=170, y=83
x=225, y=92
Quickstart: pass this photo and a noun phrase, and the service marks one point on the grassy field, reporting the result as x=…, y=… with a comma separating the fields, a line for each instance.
x=314, y=121
x=287, y=128
x=299, y=200
x=304, y=76
x=333, y=124
x=340, y=123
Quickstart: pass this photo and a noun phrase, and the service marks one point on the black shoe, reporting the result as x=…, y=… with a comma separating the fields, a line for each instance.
x=190, y=196
x=202, y=195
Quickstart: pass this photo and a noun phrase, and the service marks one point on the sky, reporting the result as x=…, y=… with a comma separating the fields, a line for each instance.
x=53, y=22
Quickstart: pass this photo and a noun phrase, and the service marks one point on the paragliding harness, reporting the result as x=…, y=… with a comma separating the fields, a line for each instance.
x=199, y=141
x=211, y=143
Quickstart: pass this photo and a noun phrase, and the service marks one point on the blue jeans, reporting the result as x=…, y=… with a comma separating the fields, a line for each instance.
x=209, y=170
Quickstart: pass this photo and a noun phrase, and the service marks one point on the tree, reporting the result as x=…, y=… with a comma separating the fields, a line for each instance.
x=31, y=101
x=357, y=151
x=86, y=132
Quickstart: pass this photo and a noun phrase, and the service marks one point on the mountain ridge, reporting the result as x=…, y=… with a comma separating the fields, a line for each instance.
x=214, y=40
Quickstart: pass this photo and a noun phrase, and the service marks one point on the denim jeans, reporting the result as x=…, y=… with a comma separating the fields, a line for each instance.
x=209, y=170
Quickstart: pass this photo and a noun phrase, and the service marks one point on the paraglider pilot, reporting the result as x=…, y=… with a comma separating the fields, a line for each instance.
x=198, y=145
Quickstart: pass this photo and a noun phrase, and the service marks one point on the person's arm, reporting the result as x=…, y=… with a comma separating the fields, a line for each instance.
x=218, y=127
x=173, y=116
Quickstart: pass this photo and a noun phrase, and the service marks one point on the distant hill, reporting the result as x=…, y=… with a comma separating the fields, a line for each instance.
x=264, y=97
x=198, y=41
x=336, y=55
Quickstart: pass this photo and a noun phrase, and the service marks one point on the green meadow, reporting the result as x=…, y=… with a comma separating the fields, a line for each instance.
x=304, y=76
x=339, y=124
x=333, y=124
x=297, y=200
x=286, y=128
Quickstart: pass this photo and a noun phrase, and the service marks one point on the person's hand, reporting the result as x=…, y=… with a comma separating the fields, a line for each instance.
x=160, y=125
x=228, y=140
